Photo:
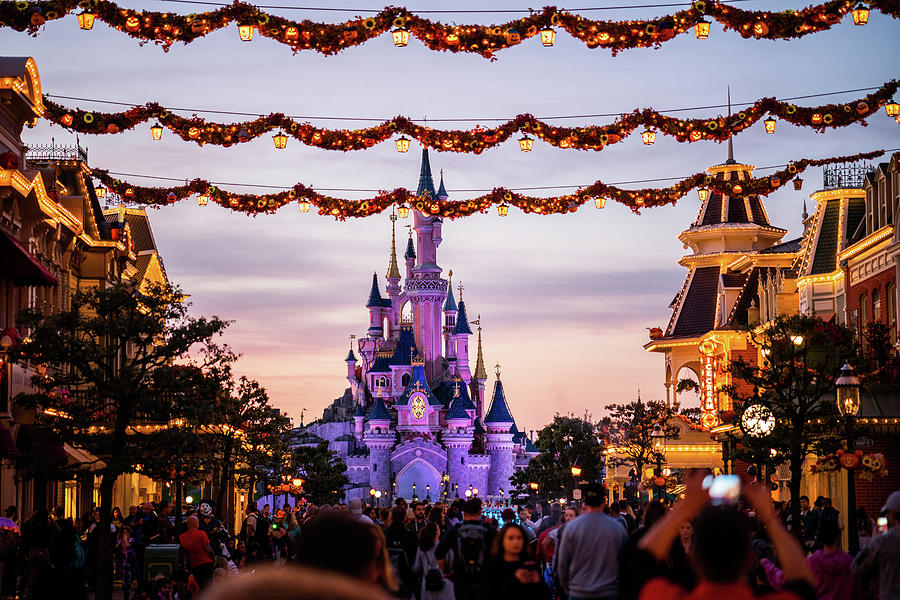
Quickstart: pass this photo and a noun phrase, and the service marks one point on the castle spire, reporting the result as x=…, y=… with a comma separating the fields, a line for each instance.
x=442, y=191
x=393, y=270
x=426, y=183
x=730, y=160
x=480, y=371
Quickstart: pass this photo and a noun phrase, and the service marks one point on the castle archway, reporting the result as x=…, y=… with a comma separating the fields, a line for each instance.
x=425, y=477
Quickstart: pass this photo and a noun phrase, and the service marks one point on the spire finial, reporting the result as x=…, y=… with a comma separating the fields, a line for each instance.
x=497, y=370
x=352, y=337
x=480, y=372
x=461, y=288
x=730, y=160
x=393, y=269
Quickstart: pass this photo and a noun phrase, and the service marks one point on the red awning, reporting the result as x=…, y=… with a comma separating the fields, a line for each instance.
x=20, y=265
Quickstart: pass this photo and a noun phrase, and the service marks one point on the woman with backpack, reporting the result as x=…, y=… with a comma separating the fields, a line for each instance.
x=432, y=584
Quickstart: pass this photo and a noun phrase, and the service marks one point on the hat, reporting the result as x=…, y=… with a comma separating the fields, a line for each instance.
x=355, y=506
x=893, y=503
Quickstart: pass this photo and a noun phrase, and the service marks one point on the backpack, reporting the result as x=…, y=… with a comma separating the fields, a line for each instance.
x=471, y=549
x=399, y=560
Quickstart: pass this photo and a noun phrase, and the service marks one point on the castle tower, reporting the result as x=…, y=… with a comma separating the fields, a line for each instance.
x=393, y=279
x=351, y=366
x=479, y=379
x=380, y=440
x=458, y=438
x=461, y=333
x=379, y=309
x=425, y=289
x=450, y=312
x=358, y=424
x=499, y=442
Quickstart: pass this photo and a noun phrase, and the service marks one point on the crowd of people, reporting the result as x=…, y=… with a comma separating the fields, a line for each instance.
x=626, y=550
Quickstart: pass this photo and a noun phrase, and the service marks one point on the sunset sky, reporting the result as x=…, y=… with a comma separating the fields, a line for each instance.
x=565, y=300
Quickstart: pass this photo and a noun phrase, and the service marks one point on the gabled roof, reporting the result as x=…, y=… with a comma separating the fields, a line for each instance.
x=406, y=347
x=824, y=258
x=698, y=306
x=499, y=411
x=417, y=383
x=457, y=411
x=426, y=183
x=462, y=321
x=749, y=293
x=379, y=412
x=450, y=302
x=375, y=299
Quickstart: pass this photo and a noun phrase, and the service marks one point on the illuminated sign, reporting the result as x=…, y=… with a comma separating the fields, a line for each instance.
x=708, y=404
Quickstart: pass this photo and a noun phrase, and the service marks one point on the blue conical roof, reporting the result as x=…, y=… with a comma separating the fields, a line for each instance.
x=350, y=356
x=375, y=299
x=499, y=412
x=406, y=347
x=410, y=249
x=379, y=412
x=426, y=183
x=359, y=411
x=457, y=411
x=462, y=321
x=442, y=191
x=417, y=383
x=450, y=302
x=529, y=446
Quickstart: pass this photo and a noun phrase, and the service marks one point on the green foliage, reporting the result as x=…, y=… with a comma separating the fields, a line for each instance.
x=687, y=385
x=635, y=430
x=879, y=349
x=567, y=440
x=323, y=472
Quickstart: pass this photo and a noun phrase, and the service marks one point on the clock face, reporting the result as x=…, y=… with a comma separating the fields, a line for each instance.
x=417, y=405
x=757, y=420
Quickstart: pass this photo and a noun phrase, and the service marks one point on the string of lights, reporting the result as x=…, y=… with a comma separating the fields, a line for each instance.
x=165, y=28
x=478, y=139
x=501, y=197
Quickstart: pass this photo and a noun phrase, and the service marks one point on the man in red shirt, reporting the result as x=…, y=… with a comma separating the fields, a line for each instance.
x=721, y=550
x=196, y=552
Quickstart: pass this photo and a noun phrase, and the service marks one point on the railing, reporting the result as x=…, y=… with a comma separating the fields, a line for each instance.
x=845, y=175
x=50, y=152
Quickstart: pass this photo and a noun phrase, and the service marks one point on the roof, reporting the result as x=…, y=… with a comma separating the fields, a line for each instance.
x=529, y=446
x=442, y=191
x=457, y=411
x=698, y=306
x=784, y=247
x=856, y=212
x=417, y=383
x=738, y=208
x=406, y=347
x=379, y=412
x=446, y=392
x=734, y=280
x=450, y=302
x=359, y=411
x=410, y=249
x=824, y=259
x=426, y=183
x=350, y=356
x=749, y=292
x=462, y=321
x=479, y=428
x=499, y=411
x=375, y=299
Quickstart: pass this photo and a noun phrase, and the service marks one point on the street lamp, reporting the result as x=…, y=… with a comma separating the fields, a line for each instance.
x=576, y=470
x=656, y=435
x=847, y=394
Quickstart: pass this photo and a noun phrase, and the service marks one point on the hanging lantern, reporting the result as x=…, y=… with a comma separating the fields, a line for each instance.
x=534, y=485
x=600, y=202
x=798, y=183
x=132, y=24
x=703, y=193
x=101, y=192
x=86, y=20
x=203, y=199
x=847, y=386
x=303, y=205
x=245, y=31
x=402, y=144
x=526, y=143
x=156, y=131
x=548, y=36
x=701, y=29
x=403, y=211
x=860, y=14
x=401, y=37
x=892, y=109
x=576, y=470
x=648, y=136
x=280, y=140
x=770, y=124
x=503, y=210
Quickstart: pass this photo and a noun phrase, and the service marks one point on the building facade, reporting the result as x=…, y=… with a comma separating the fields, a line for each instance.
x=412, y=422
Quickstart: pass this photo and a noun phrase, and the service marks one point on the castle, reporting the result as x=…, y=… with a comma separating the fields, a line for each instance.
x=412, y=423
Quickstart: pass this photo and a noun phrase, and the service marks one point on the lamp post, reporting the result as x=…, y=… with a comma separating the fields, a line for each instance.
x=847, y=395
x=656, y=435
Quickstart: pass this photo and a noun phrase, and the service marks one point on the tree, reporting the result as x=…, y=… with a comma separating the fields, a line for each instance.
x=633, y=432
x=323, y=472
x=802, y=359
x=100, y=372
x=565, y=442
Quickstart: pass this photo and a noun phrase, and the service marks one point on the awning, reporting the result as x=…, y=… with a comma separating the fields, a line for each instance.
x=78, y=457
x=20, y=265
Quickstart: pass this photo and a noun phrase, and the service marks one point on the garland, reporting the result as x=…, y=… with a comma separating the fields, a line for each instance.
x=869, y=464
x=593, y=137
x=165, y=28
x=341, y=209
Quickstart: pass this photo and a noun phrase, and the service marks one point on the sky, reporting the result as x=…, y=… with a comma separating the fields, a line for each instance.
x=565, y=300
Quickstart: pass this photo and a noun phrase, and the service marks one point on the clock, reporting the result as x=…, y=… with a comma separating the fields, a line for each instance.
x=417, y=405
x=757, y=421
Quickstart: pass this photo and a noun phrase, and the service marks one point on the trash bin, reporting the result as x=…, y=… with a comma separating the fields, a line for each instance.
x=159, y=561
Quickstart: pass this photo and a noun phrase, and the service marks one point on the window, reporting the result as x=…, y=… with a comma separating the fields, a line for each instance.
x=890, y=292
x=863, y=318
x=876, y=305
x=405, y=379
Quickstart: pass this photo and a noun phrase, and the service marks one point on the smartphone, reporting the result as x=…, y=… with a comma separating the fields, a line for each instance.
x=881, y=525
x=723, y=489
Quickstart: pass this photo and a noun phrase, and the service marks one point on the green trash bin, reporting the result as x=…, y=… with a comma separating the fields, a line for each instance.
x=159, y=561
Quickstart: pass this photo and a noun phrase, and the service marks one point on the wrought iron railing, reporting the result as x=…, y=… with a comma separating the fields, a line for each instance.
x=53, y=151
x=845, y=175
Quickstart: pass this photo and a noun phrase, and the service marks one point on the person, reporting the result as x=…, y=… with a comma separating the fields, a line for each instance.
x=881, y=557
x=631, y=576
x=117, y=519
x=401, y=548
x=249, y=526
x=625, y=517
x=165, y=528
x=552, y=515
x=334, y=541
x=356, y=511
x=551, y=542
x=864, y=526
x=586, y=561
x=721, y=549
x=470, y=542
x=418, y=520
x=36, y=533
x=295, y=583
x=195, y=552
x=511, y=572
x=126, y=559
x=431, y=583
x=830, y=566
x=384, y=571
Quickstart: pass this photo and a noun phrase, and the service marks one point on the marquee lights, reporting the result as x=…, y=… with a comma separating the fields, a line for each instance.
x=708, y=402
x=478, y=139
x=165, y=28
x=453, y=209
